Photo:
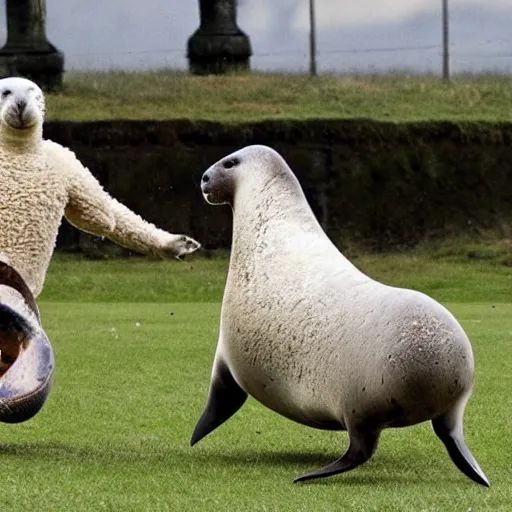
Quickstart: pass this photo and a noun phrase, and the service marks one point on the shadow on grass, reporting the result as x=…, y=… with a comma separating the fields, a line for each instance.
x=63, y=451
x=377, y=470
x=381, y=470
x=266, y=458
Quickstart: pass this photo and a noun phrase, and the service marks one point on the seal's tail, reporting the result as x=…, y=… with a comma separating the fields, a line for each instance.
x=448, y=428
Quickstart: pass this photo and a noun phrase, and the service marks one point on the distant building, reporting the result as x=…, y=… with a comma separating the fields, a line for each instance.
x=218, y=45
x=28, y=52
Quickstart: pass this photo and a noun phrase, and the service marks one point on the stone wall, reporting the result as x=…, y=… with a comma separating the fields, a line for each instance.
x=382, y=185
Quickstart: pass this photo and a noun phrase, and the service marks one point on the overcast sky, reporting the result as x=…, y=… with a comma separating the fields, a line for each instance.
x=365, y=35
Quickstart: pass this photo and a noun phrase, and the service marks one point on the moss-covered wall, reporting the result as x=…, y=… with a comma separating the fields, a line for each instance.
x=380, y=184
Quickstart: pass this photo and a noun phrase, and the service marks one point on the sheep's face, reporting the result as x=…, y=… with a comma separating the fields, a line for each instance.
x=21, y=104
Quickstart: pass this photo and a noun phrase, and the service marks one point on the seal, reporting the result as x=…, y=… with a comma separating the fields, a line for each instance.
x=308, y=335
x=41, y=182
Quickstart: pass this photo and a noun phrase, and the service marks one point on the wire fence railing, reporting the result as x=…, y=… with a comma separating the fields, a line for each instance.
x=476, y=43
x=482, y=56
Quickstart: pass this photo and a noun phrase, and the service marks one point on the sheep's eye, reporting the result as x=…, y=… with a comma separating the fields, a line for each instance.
x=228, y=164
x=6, y=93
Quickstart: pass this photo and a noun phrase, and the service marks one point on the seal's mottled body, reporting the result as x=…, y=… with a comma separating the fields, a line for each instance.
x=310, y=336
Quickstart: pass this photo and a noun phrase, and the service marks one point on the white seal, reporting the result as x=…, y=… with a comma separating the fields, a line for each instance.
x=308, y=335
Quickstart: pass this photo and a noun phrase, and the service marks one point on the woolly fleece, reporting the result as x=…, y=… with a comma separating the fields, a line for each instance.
x=42, y=181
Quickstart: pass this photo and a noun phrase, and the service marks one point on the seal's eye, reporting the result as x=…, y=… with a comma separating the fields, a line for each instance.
x=6, y=93
x=228, y=164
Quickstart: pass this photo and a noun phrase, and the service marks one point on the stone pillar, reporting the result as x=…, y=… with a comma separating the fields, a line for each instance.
x=28, y=52
x=218, y=45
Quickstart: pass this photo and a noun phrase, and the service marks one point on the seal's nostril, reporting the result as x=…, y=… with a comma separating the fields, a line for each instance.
x=21, y=104
x=206, y=178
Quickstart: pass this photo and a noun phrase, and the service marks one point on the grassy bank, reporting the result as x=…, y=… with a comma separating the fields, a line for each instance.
x=91, y=96
x=134, y=342
x=451, y=271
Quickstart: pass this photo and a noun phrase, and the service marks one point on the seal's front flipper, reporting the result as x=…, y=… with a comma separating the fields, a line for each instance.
x=361, y=448
x=449, y=429
x=224, y=399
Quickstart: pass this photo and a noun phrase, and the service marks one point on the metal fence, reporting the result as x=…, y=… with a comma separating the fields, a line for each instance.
x=479, y=40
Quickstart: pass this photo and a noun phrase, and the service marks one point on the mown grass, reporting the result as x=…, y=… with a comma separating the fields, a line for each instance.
x=114, y=433
x=452, y=270
x=157, y=95
x=134, y=342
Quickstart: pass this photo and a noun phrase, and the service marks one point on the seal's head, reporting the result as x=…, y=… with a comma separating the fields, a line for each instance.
x=251, y=163
x=21, y=105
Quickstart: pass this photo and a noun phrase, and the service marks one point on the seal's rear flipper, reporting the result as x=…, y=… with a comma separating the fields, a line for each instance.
x=362, y=447
x=449, y=429
x=224, y=399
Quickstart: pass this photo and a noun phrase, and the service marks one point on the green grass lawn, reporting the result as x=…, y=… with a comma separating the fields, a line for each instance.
x=134, y=342
x=91, y=96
